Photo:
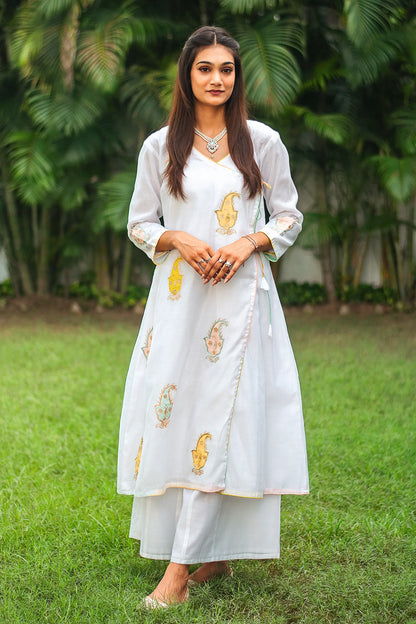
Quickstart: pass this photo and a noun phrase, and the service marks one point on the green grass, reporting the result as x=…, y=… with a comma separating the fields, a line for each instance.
x=348, y=549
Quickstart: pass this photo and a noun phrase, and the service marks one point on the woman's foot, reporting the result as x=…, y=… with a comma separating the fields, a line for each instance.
x=209, y=570
x=172, y=589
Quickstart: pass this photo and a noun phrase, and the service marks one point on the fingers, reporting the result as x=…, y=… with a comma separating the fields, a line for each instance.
x=219, y=268
x=200, y=259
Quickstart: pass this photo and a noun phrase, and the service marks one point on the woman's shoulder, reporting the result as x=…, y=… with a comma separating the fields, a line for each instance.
x=261, y=133
x=156, y=141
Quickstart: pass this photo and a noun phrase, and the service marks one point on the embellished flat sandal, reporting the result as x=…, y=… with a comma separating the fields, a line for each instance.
x=154, y=603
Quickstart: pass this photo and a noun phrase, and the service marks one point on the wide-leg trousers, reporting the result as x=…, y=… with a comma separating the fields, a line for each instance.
x=189, y=526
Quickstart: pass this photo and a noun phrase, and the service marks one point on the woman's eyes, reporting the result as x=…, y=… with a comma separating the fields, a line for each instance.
x=225, y=70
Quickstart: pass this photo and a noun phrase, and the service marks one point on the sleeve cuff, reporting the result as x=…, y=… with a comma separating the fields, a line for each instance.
x=146, y=236
x=282, y=232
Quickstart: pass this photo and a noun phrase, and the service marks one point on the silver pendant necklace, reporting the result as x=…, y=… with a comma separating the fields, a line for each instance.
x=212, y=144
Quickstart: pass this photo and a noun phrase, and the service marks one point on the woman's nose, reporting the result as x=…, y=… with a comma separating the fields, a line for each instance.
x=216, y=77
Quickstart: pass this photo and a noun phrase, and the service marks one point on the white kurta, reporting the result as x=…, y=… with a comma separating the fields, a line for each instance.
x=212, y=399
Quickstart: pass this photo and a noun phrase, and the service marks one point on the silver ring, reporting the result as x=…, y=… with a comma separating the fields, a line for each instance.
x=228, y=264
x=221, y=261
x=202, y=260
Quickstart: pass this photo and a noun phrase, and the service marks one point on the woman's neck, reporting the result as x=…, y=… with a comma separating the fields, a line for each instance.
x=210, y=119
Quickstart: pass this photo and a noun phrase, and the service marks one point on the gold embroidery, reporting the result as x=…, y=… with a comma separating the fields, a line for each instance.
x=175, y=280
x=148, y=343
x=227, y=215
x=138, y=458
x=215, y=341
x=200, y=453
x=163, y=407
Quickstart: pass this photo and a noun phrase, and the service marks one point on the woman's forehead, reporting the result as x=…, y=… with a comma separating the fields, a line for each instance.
x=216, y=54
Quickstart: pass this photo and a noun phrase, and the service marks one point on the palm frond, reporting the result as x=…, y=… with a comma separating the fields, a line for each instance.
x=335, y=127
x=398, y=176
x=365, y=64
x=367, y=18
x=34, y=45
x=148, y=94
x=102, y=51
x=64, y=112
x=31, y=165
x=246, y=6
x=114, y=199
x=52, y=8
x=404, y=120
x=271, y=71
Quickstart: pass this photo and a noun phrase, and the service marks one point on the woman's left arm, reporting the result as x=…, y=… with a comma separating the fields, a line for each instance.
x=285, y=222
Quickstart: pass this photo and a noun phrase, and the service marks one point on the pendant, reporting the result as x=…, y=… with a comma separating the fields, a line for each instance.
x=212, y=147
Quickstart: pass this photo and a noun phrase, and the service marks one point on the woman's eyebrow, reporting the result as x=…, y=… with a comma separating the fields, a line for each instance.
x=209, y=63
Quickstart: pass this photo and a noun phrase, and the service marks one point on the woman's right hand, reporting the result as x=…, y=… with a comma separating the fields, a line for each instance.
x=193, y=250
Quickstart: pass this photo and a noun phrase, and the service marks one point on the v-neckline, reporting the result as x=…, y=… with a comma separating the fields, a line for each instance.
x=216, y=162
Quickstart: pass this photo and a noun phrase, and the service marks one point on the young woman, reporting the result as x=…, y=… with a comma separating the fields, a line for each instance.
x=212, y=430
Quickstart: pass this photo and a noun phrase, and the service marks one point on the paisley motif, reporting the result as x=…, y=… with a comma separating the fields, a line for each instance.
x=148, y=343
x=138, y=458
x=163, y=407
x=214, y=342
x=175, y=280
x=227, y=215
x=200, y=453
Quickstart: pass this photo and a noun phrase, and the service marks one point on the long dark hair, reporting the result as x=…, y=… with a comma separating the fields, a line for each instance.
x=182, y=116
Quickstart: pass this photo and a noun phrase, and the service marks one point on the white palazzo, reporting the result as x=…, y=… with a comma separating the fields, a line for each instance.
x=189, y=526
x=212, y=404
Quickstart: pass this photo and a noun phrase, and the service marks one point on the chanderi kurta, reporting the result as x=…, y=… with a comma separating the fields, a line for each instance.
x=212, y=399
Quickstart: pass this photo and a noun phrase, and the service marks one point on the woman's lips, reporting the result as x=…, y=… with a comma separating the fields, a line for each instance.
x=215, y=92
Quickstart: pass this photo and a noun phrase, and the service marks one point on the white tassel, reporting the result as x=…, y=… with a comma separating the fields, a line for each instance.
x=270, y=330
x=264, y=285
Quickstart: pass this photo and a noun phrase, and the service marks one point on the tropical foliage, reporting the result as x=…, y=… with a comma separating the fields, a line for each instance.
x=83, y=82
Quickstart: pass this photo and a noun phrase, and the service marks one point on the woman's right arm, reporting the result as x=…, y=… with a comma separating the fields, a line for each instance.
x=144, y=227
x=193, y=250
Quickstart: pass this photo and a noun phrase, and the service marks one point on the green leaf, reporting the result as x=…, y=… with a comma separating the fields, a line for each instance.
x=247, y=6
x=404, y=120
x=271, y=71
x=398, y=176
x=114, y=198
x=32, y=166
x=366, y=18
x=335, y=127
x=65, y=112
x=102, y=51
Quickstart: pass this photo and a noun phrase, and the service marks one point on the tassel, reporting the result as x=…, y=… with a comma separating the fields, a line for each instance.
x=264, y=285
x=270, y=333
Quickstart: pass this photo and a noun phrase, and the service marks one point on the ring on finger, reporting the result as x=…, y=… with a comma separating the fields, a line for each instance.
x=228, y=264
x=221, y=261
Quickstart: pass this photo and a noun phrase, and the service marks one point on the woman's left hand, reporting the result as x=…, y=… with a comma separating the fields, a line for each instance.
x=227, y=260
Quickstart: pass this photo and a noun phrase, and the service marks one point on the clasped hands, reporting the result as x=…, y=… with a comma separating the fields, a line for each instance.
x=218, y=265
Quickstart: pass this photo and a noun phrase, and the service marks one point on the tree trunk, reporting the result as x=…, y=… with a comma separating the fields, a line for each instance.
x=410, y=234
x=126, y=269
x=203, y=12
x=12, y=216
x=324, y=246
x=101, y=263
x=361, y=253
x=43, y=263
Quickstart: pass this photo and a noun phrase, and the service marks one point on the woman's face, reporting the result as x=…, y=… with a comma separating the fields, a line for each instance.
x=213, y=75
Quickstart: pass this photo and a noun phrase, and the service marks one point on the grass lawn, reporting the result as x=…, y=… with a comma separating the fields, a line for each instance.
x=348, y=549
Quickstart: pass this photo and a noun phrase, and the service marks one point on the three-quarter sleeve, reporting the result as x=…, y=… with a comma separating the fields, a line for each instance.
x=285, y=222
x=144, y=227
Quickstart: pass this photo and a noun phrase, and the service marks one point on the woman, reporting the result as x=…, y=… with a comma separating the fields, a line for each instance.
x=211, y=431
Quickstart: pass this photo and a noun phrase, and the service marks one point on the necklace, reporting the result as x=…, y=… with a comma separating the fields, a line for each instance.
x=212, y=144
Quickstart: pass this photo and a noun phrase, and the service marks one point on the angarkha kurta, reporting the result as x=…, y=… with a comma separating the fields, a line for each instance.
x=212, y=399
